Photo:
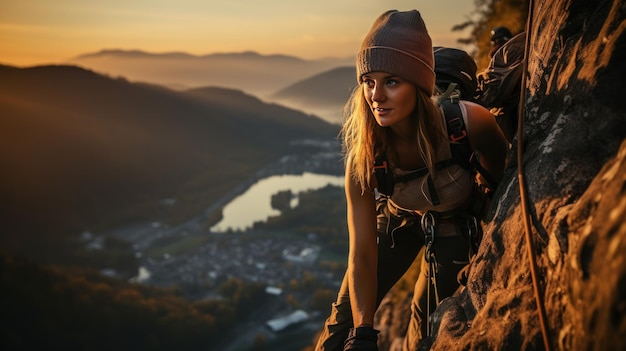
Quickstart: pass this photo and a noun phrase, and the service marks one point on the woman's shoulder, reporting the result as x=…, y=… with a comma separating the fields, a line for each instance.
x=479, y=119
x=482, y=129
x=475, y=109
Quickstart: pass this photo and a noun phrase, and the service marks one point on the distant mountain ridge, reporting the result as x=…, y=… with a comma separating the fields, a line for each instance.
x=256, y=74
x=181, y=54
x=80, y=149
x=326, y=93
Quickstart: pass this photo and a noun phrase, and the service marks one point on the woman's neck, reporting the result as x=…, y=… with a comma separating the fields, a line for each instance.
x=407, y=154
x=405, y=130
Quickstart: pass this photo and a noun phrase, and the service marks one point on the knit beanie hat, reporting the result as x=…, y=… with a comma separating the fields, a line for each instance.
x=398, y=43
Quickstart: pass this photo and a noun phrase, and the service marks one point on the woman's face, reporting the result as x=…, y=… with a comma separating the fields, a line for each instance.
x=390, y=98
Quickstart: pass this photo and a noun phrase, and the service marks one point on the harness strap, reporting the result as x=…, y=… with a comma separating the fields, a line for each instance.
x=386, y=179
x=467, y=225
x=421, y=172
x=432, y=190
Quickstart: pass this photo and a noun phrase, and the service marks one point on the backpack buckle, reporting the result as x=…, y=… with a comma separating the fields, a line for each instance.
x=382, y=166
x=456, y=124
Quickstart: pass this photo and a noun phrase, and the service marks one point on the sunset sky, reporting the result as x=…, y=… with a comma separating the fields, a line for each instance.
x=43, y=31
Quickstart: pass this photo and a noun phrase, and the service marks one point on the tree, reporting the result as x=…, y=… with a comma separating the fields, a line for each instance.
x=488, y=15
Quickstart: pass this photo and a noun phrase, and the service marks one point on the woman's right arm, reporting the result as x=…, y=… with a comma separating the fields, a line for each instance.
x=363, y=252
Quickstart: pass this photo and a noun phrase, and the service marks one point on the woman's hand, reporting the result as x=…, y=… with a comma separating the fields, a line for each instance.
x=362, y=339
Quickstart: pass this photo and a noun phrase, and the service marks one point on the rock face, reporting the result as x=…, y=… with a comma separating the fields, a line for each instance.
x=574, y=173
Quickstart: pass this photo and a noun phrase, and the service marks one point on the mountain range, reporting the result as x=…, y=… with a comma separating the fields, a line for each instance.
x=319, y=87
x=258, y=75
x=81, y=150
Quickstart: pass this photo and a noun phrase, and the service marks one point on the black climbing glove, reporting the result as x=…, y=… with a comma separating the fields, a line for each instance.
x=362, y=339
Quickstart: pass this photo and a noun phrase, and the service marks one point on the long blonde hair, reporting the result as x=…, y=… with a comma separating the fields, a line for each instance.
x=364, y=139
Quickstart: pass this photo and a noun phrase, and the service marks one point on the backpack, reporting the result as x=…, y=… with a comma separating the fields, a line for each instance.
x=499, y=86
x=454, y=66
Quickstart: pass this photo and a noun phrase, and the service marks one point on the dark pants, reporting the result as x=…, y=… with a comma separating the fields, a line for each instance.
x=451, y=254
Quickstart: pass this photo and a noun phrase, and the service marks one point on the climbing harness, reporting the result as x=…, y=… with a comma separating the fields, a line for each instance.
x=391, y=217
x=428, y=223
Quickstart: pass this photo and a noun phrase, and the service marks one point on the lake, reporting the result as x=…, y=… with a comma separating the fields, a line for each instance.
x=255, y=205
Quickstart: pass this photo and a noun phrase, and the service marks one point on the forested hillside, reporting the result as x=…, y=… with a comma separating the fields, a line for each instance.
x=76, y=309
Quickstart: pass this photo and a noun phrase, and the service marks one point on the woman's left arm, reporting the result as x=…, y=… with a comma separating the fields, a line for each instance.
x=486, y=137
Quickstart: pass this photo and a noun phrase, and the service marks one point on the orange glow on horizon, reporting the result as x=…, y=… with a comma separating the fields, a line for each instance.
x=42, y=32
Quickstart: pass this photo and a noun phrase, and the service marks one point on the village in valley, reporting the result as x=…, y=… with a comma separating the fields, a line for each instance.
x=195, y=260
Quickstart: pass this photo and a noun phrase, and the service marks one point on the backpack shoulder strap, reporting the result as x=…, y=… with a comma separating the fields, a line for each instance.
x=462, y=153
x=457, y=132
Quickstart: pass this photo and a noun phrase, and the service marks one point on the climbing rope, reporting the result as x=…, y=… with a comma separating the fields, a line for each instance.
x=522, y=186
